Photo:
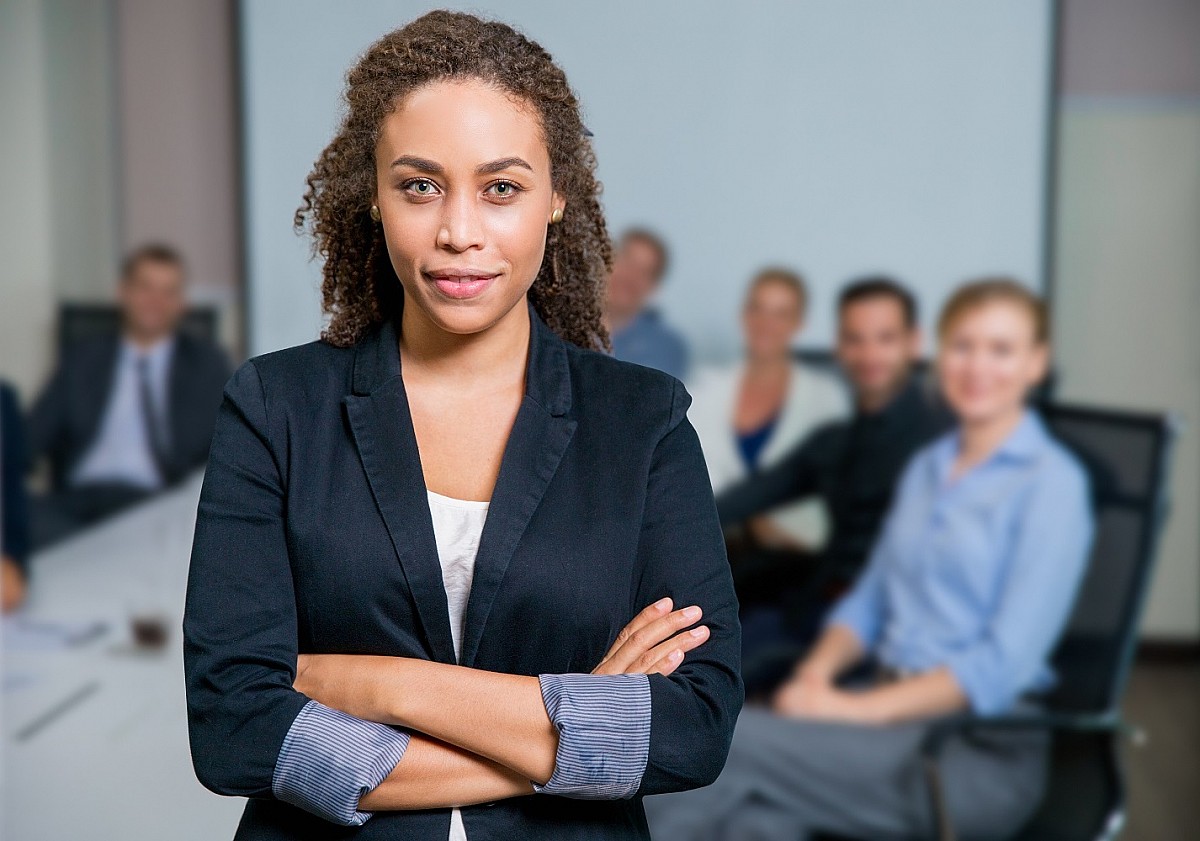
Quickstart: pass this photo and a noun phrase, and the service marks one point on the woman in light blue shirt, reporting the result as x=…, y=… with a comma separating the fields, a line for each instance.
x=959, y=608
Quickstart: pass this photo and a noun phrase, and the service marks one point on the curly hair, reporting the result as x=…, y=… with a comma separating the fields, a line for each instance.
x=360, y=288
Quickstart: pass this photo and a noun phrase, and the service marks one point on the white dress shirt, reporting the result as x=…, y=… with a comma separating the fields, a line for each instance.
x=457, y=525
x=121, y=451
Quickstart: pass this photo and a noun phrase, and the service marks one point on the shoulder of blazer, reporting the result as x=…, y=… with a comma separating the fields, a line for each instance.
x=820, y=390
x=200, y=353
x=625, y=393
x=300, y=374
x=90, y=355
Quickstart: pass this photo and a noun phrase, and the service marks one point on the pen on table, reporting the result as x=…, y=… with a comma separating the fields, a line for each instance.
x=57, y=711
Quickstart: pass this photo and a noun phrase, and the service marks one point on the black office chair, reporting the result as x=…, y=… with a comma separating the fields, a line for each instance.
x=79, y=321
x=1126, y=455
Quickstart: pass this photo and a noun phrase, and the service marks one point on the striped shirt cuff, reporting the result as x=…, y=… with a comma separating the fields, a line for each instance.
x=603, y=724
x=330, y=759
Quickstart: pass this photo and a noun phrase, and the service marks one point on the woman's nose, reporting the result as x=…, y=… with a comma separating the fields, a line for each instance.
x=462, y=225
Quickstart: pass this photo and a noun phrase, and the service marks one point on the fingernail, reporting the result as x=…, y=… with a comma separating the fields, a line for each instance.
x=675, y=656
x=699, y=632
x=692, y=612
x=662, y=604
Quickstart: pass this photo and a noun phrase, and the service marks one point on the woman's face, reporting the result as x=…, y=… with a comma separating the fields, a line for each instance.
x=772, y=315
x=464, y=193
x=988, y=360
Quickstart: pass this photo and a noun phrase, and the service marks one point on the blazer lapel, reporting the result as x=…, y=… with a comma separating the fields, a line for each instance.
x=383, y=432
x=179, y=382
x=97, y=387
x=540, y=436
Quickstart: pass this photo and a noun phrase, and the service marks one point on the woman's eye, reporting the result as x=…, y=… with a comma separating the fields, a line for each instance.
x=504, y=189
x=420, y=187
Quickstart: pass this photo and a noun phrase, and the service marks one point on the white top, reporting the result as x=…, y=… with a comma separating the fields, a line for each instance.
x=457, y=525
x=813, y=398
x=121, y=450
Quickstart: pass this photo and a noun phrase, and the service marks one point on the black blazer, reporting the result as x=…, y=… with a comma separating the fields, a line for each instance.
x=66, y=417
x=314, y=535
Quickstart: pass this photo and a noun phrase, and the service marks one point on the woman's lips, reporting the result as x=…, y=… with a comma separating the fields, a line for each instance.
x=462, y=286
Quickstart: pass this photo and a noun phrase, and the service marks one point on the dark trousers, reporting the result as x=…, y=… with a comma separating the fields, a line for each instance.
x=60, y=514
x=783, y=596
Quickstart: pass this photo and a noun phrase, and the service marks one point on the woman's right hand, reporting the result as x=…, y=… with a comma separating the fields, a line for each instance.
x=654, y=642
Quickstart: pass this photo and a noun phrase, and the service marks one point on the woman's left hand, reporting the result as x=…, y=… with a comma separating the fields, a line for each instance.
x=353, y=683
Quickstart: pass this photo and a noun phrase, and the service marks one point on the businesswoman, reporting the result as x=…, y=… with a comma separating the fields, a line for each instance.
x=959, y=608
x=451, y=561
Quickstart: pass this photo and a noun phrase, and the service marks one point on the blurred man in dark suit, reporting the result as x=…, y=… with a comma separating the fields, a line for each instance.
x=14, y=512
x=852, y=466
x=127, y=415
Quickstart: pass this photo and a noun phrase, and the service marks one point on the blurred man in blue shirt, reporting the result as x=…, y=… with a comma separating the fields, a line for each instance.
x=637, y=330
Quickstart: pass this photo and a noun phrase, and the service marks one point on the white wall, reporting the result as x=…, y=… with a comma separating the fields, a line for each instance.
x=177, y=119
x=1127, y=286
x=26, y=280
x=839, y=138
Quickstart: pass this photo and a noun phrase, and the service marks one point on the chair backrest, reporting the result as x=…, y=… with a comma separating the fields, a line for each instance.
x=80, y=321
x=1126, y=457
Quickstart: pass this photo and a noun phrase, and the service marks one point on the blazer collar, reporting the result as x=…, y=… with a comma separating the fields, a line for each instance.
x=382, y=426
x=547, y=375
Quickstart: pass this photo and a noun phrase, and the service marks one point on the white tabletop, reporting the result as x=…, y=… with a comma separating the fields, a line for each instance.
x=94, y=735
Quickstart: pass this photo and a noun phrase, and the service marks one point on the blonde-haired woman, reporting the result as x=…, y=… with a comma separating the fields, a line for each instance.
x=958, y=610
x=750, y=413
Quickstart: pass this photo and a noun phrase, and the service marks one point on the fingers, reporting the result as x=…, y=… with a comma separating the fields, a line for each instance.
x=666, y=657
x=645, y=617
x=639, y=642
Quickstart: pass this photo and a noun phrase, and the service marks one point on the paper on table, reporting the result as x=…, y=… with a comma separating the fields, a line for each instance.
x=26, y=633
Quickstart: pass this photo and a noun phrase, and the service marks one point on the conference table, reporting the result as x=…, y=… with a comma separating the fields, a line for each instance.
x=93, y=725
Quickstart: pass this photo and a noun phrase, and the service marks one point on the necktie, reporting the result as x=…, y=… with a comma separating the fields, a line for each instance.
x=152, y=421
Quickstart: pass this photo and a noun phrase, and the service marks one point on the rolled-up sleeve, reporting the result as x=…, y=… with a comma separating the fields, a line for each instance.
x=240, y=636
x=603, y=724
x=330, y=759
x=1051, y=544
x=681, y=554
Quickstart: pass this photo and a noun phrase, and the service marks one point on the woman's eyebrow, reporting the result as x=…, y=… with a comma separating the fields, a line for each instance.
x=501, y=165
x=434, y=168
x=422, y=164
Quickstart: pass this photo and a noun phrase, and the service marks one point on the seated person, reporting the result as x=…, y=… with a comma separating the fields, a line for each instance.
x=636, y=329
x=851, y=465
x=126, y=415
x=14, y=515
x=750, y=413
x=961, y=604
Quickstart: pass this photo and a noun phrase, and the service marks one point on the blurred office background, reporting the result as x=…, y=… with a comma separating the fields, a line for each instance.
x=1058, y=143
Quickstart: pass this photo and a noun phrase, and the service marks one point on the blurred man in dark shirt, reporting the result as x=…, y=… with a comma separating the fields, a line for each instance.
x=851, y=465
x=129, y=414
